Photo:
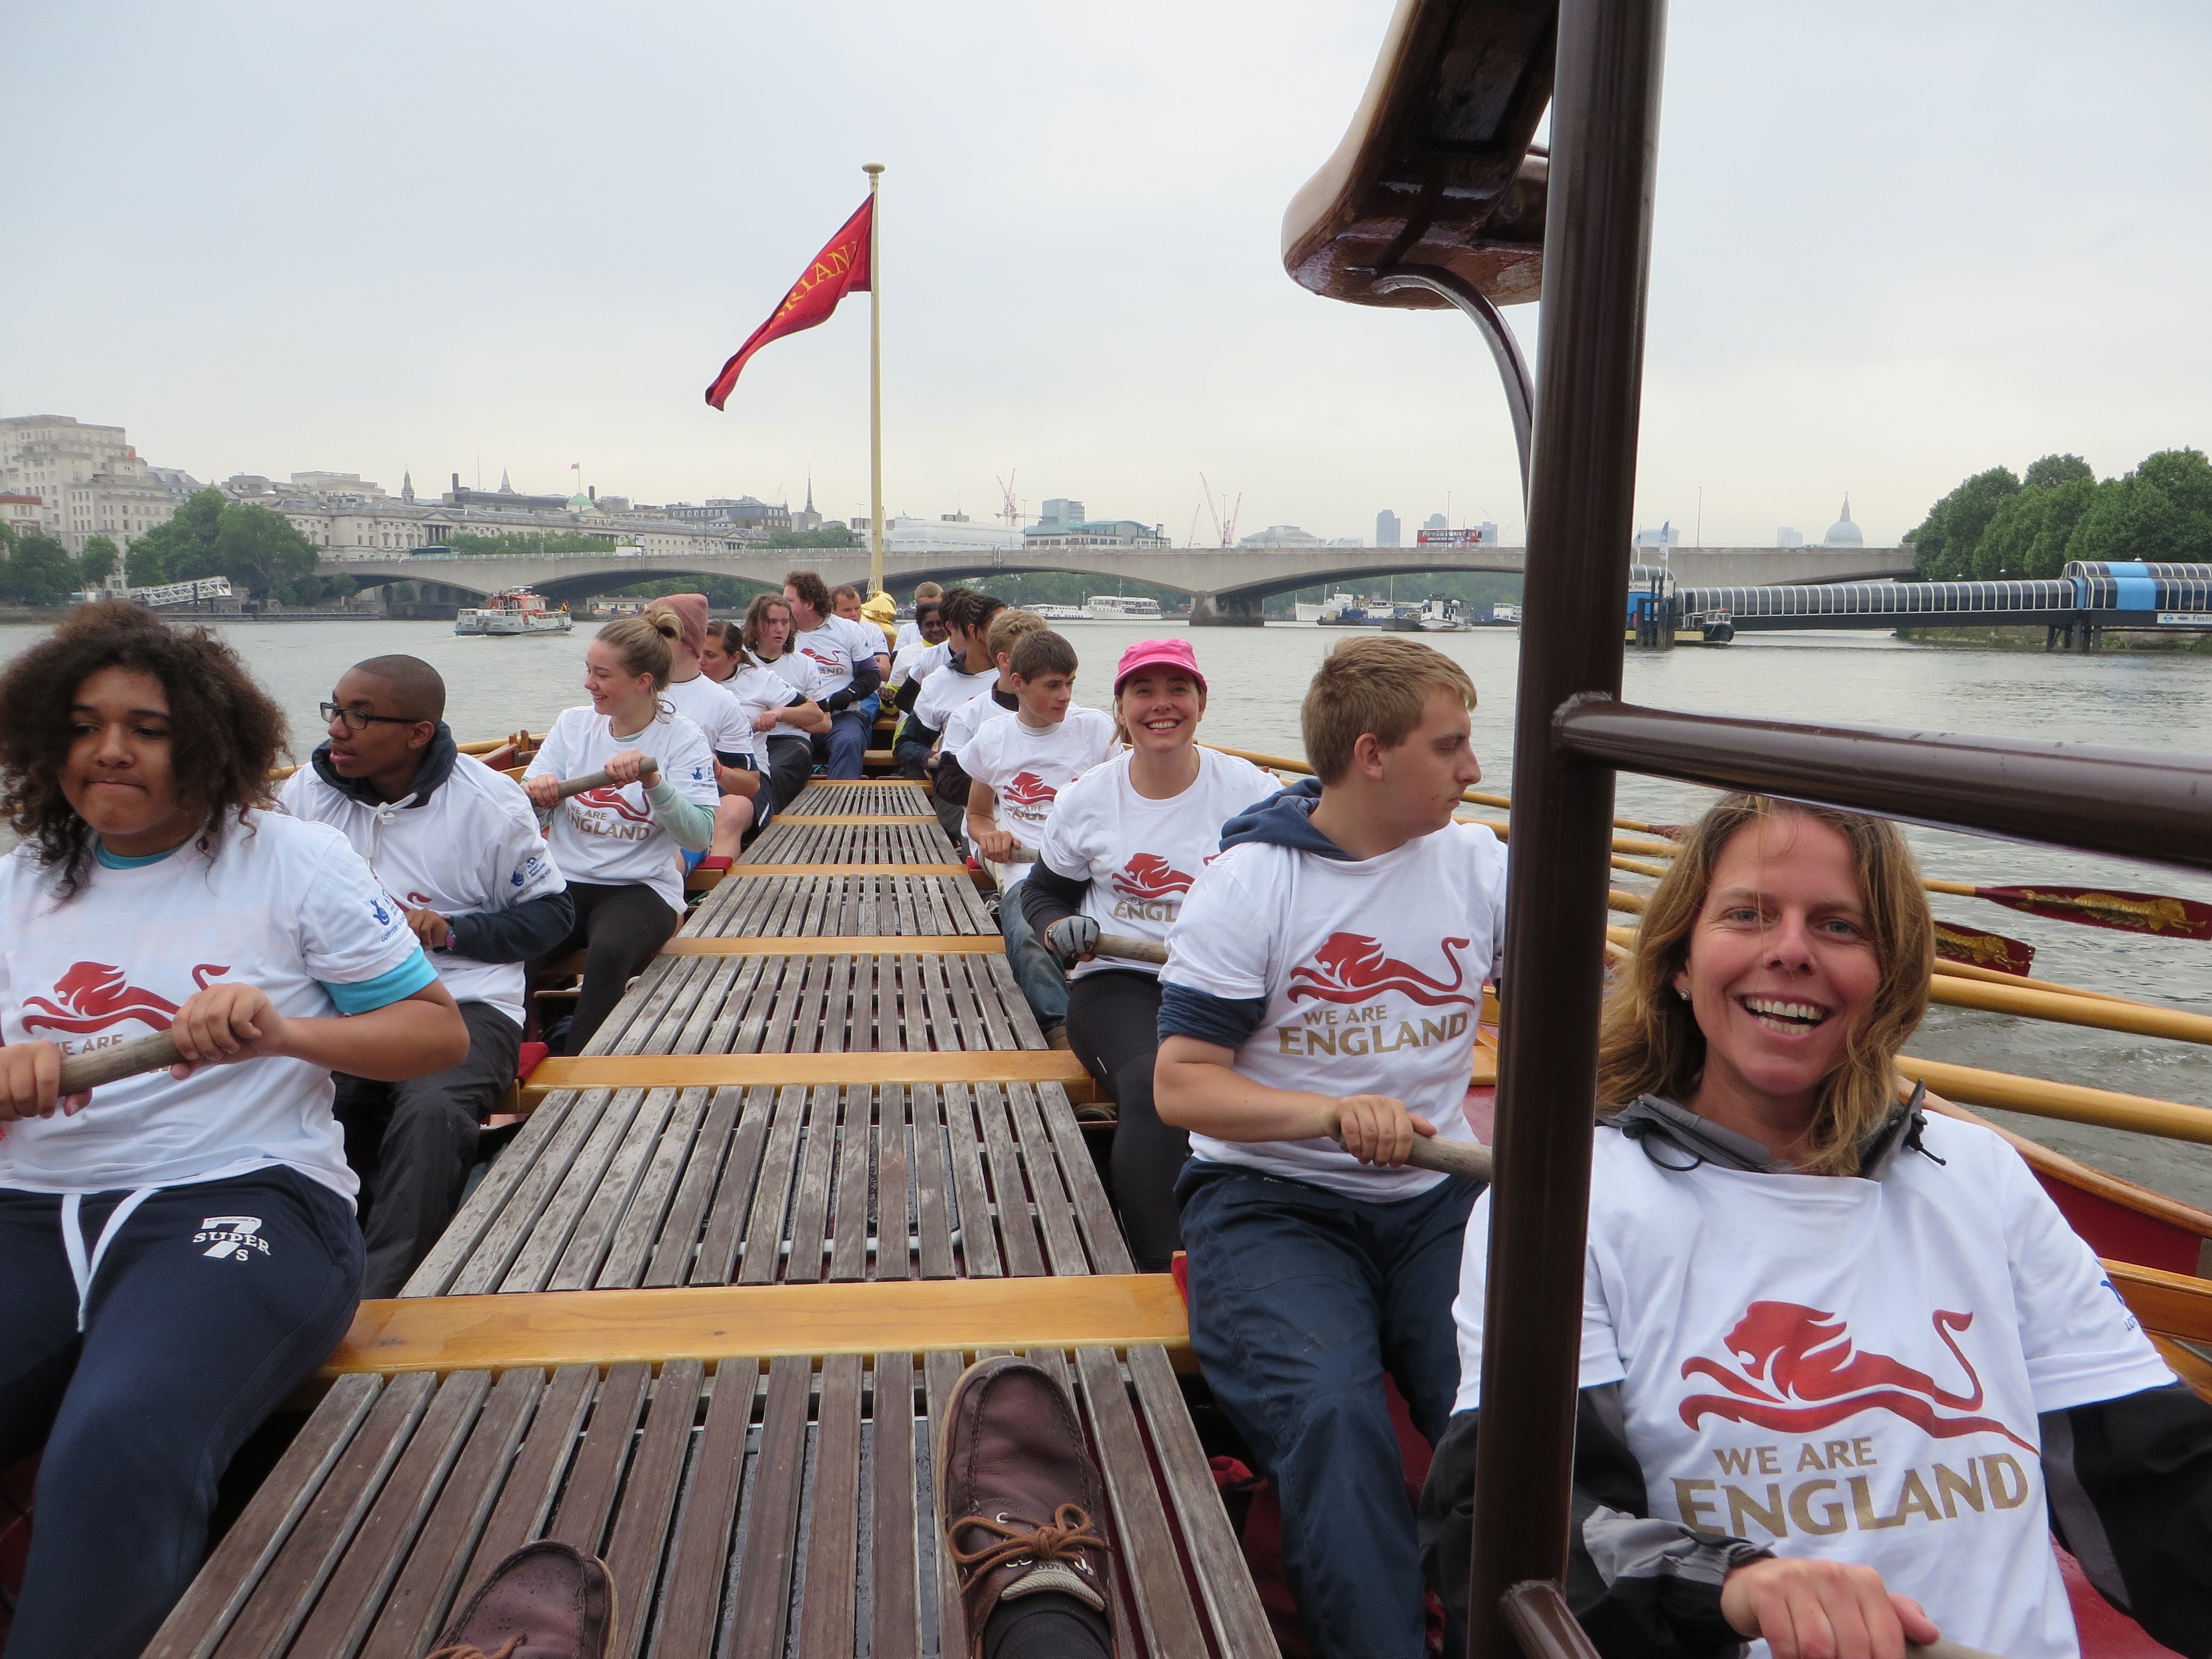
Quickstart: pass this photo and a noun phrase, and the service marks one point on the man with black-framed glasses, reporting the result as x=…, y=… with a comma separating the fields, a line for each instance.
x=456, y=846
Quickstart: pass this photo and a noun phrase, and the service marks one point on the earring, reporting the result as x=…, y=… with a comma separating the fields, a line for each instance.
x=1681, y=992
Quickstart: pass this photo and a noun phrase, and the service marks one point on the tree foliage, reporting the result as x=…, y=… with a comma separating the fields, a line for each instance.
x=523, y=541
x=98, y=562
x=261, y=553
x=39, y=571
x=1995, y=527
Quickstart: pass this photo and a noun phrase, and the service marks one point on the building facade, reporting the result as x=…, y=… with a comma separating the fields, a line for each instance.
x=87, y=480
x=1094, y=533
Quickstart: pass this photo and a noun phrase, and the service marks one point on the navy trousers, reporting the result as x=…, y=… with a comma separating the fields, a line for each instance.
x=841, y=748
x=212, y=1302
x=1301, y=1301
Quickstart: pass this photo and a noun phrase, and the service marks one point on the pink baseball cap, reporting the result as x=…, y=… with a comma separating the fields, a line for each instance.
x=1158, y=654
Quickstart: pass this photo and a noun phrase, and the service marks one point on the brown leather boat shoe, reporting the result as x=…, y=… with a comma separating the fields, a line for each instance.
x=546, y=1600
x=1021, y=1501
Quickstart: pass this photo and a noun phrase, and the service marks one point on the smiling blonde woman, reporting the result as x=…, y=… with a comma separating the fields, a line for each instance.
x=1843, y=1365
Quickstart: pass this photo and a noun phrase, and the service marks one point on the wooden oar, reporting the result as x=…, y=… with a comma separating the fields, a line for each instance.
x=585, y=780
x=121, y=1059
x=2097, y=907
x=1131, y=949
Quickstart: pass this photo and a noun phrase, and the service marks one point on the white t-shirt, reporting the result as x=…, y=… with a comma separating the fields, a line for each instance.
x=918, y=661
x=755, y=689
x=709, y=706
x=473, y=847
x=1140, y=856
x=909, y=633
x=942, y=696
x=1850, y=1368
x=834, y=647
x=1373, y=973
x=1027, y=766
x=283, y=906
x=608, y=836
x=803, y=676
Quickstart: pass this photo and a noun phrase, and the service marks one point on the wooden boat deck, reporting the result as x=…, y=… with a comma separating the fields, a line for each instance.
x=763, y=1501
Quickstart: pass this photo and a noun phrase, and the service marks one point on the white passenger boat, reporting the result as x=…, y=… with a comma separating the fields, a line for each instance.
x=513, y=611
x=1115, y=607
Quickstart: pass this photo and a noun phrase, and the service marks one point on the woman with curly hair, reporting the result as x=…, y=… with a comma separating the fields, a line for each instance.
x=180, y=1246
x=1844, y=1367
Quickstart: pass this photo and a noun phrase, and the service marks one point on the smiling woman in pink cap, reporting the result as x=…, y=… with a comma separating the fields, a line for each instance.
x=1124, y=842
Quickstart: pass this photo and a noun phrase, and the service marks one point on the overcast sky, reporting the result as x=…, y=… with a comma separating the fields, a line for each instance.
x=1896, y=243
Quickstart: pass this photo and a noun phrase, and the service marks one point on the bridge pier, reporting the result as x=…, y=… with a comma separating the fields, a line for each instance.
x=1226, y=610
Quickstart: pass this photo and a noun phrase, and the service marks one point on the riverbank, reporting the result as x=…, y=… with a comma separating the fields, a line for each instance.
x=2033, y=639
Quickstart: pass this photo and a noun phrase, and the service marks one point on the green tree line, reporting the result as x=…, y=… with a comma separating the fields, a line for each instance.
x=261, y=552
x=36, y=569
x=1996, y=526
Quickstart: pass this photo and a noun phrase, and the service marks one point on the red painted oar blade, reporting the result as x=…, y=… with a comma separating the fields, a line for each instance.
x=2097, y=907
x=1978, y=949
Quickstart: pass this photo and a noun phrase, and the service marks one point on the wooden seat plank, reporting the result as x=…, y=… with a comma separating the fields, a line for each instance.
x=272, y=1615
x=589, y=1499
x=940, y=1371
x=1017, y=1235
x=761, y=1262
x=626, y=1071
x=1146, y=1550
x=536, y=1249
x=763, y=1590
x=859, y=818
x=549, y=1328
x=936, y=943
x=849, y=1218
x=933, y=1212
x=977, y=1237
x=666, y=1251
x=649, y=1501
x=722, y=1243
x=416, y=1607
x=691, y=1618
x=894, y=1191
x=894, y=1627
x=525, y=1502
x=377, y=1550
x=869, y=869
x=1094, y=1216
x=549, y=1139
x=643, y=1223
x=810, y=1205
x=1048, y=1183
x=833, y=1558
x=567, y=1255
x=205, y=1611
x=1209, y=1542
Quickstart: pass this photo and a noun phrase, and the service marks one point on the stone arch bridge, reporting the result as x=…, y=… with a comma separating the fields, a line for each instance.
x=1227, y=586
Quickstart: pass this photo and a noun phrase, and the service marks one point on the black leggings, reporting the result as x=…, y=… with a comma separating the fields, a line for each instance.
x=1113, y=1028
x=790, y=763
x=620, y=929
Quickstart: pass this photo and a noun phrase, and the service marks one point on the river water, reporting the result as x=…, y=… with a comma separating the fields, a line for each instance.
x=1257, y=676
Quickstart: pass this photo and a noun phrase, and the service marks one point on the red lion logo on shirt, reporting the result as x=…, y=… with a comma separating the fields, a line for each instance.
x=610, y=797
x=1800, y=1370
x=1028, y=789
x=1352, y=967
x=92, y=996
x=834, y=663
x=1149, y=876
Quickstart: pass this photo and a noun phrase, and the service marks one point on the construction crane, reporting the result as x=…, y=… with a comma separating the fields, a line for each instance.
x=1226, y=529
x=1011, y=510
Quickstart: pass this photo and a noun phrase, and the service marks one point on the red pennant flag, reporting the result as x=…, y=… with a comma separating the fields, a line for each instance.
x=843, y=267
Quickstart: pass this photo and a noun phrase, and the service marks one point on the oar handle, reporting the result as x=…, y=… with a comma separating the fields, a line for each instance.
x=1131, y=949
x=147, y=1054
x=1452, y=1157
x=1940, y=1648
x=578, y=785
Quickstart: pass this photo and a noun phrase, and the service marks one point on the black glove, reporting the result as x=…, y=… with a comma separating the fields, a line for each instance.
x=1072, y=939
x=838, y=702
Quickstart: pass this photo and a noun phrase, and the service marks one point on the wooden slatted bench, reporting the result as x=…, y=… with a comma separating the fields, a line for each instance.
x=746, y=1507
x=810, y=903
x=630, y=1188
x=868, y=795
x=874, y=838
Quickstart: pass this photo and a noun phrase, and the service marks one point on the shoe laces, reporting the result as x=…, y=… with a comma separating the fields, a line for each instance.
x=470, y=1650
x=1064, y=1538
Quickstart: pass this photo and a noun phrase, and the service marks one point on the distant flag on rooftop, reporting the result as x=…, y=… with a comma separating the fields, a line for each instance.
x=842, y=267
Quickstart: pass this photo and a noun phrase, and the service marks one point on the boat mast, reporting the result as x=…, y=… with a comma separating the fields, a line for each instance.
x=875, y=172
